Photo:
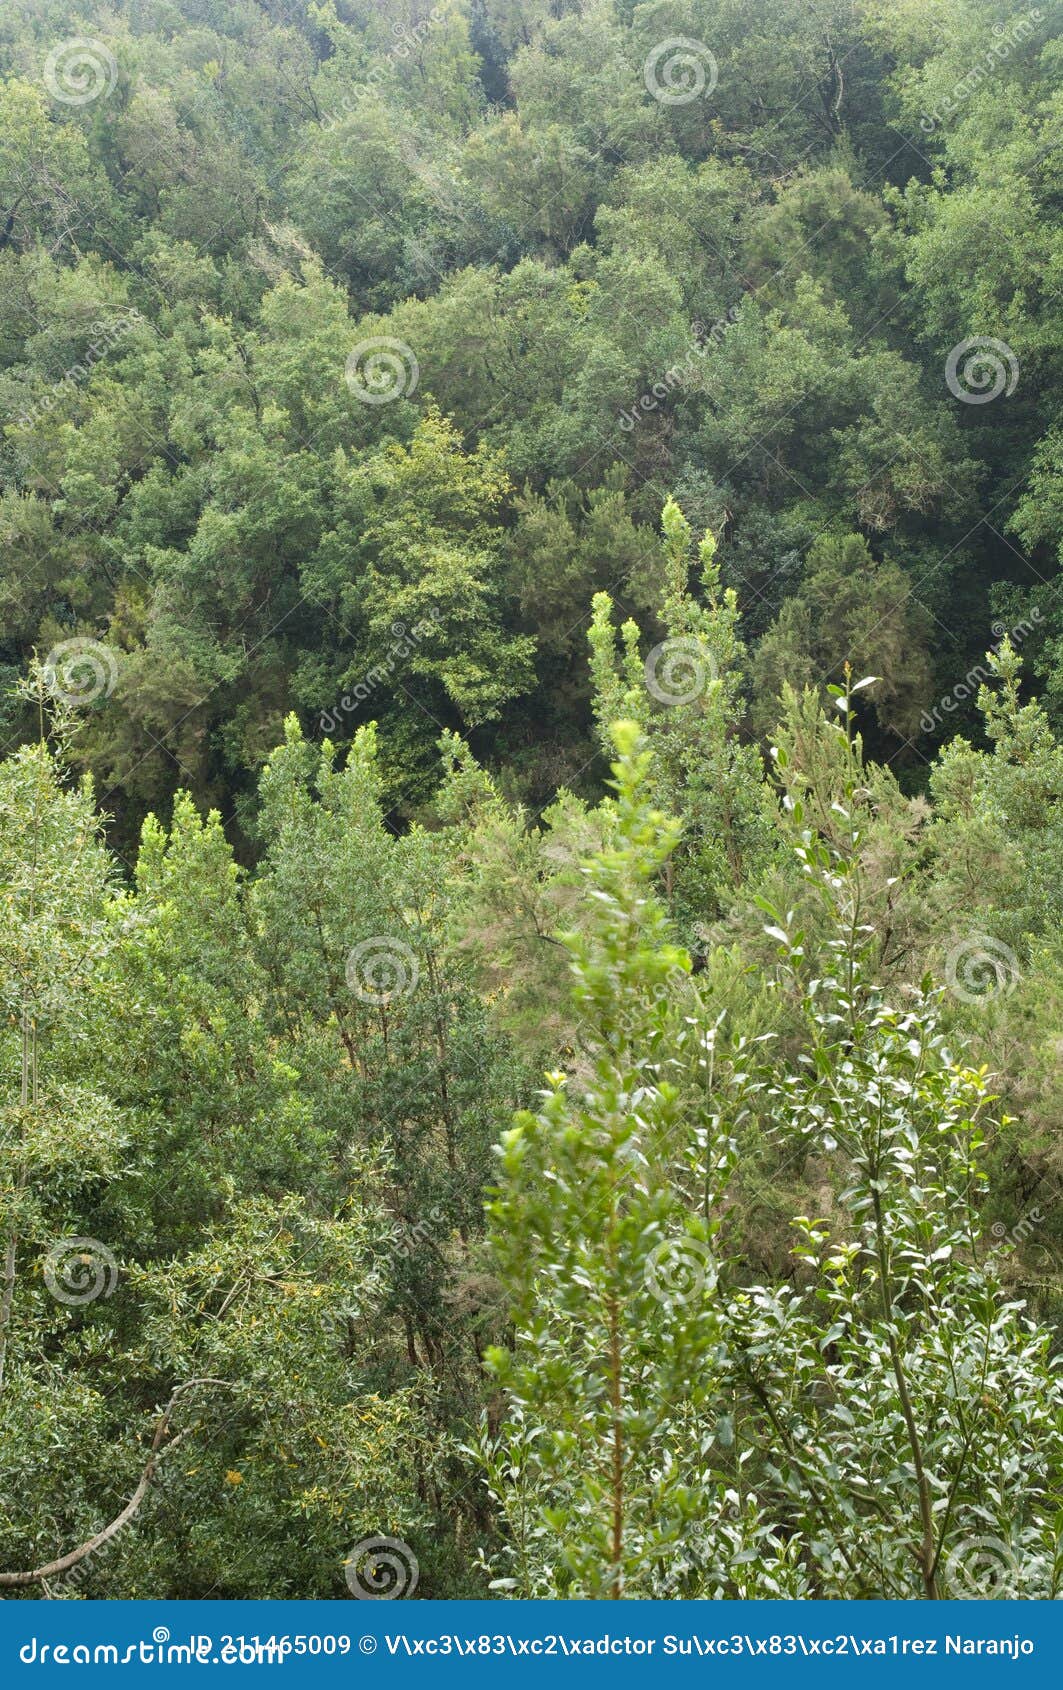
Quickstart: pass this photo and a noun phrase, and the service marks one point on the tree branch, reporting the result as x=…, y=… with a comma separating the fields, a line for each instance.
x=54, y=1569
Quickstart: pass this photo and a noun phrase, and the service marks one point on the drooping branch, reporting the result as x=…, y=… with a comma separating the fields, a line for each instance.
x=159, y=1443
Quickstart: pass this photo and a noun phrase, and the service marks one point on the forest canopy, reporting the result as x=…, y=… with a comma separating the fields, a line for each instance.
x=530, y=869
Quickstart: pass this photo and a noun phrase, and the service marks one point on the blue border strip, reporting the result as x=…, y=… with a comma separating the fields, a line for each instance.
x=473, y=1644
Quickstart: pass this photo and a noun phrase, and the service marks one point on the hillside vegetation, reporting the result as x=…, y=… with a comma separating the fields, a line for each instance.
x=531, y=861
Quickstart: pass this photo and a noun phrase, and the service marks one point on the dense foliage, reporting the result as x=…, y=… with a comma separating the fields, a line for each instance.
x=531, y=543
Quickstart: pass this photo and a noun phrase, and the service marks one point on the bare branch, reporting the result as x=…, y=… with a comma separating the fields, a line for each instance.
x=54, y=1569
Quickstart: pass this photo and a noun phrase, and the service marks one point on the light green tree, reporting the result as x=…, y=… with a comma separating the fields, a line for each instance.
x=687, y=693
x=604, y=1227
